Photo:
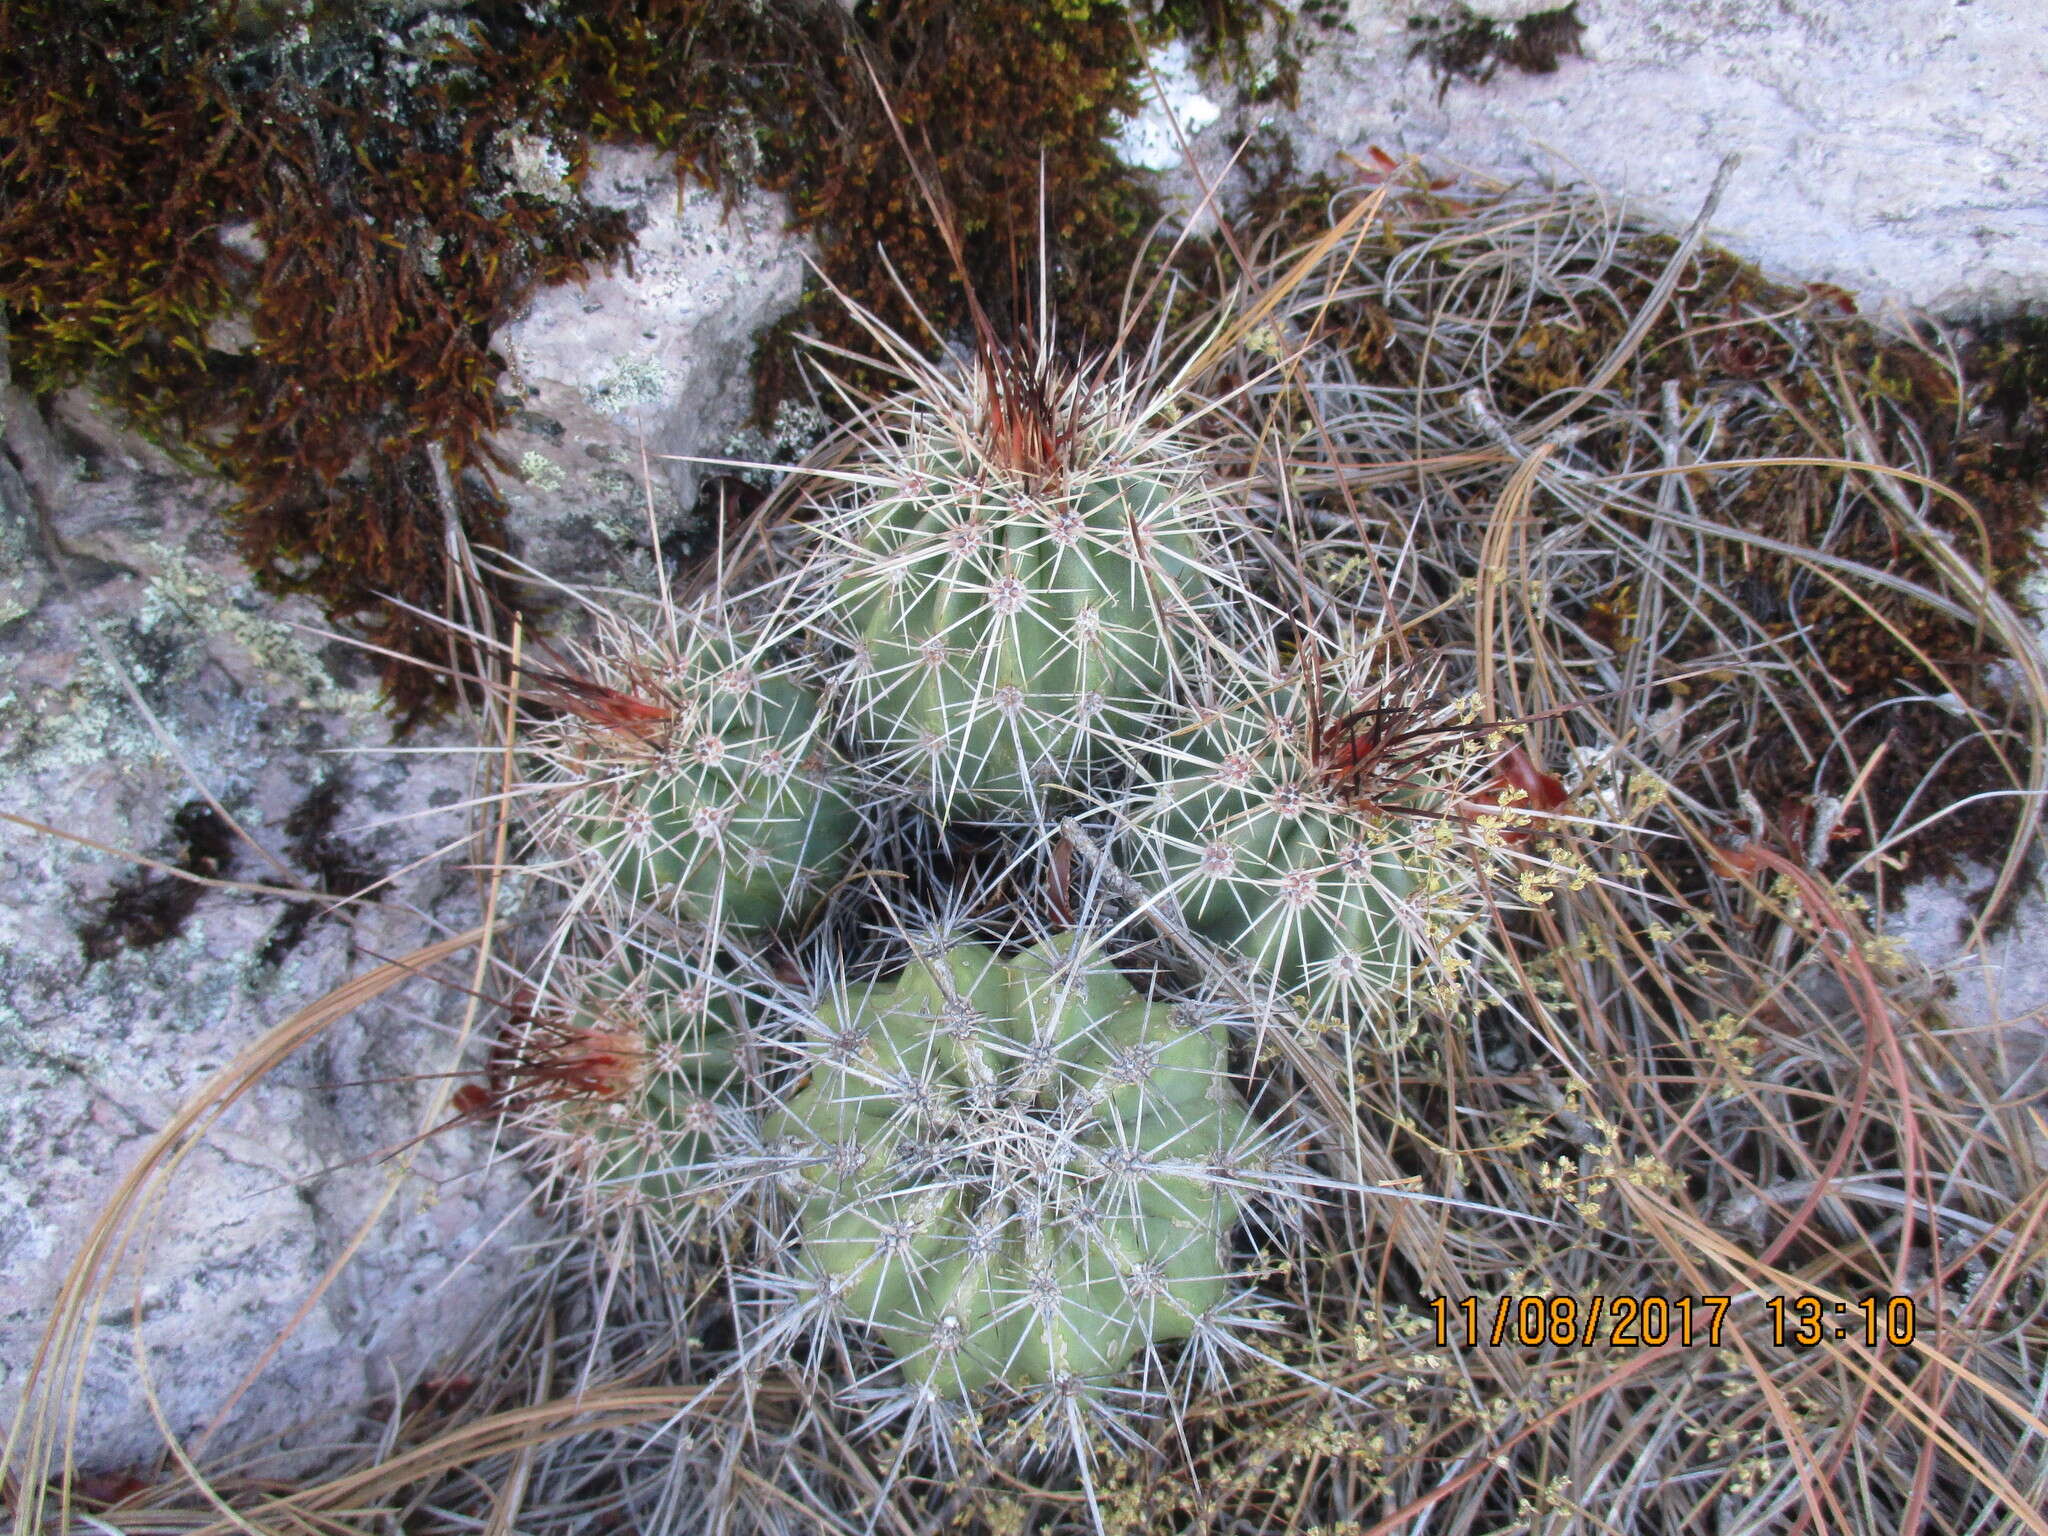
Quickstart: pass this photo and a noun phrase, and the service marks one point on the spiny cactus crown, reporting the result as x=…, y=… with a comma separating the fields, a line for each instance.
x=1016, y=1171
x=1316, y=829
x=1015, y=616
x=629, y=1077
x=701, y=780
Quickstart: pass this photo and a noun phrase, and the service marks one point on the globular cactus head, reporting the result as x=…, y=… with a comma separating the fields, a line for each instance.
x=693, y=773
x=1018, y=1173
x=1324, y=826
x=629, y=1077
x=1017, y=573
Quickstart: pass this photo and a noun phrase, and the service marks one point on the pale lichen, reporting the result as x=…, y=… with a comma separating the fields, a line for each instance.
x=1177, y=111
x=795, y=429
x=233, y=610
x=536, y=167
x=632, y=383
x=541, y=472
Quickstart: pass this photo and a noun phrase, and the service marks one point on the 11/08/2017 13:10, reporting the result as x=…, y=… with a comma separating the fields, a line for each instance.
x=1651, y=1322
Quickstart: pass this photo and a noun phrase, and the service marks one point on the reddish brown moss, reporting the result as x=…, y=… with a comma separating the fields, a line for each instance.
x=981, y=92
x=116, y=157
x=392, y=245
x=147, y=908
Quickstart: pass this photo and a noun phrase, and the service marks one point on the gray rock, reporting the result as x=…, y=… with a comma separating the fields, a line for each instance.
x=655, y=360
x=122, y=991
x=1997, y=991
x=1888, y=146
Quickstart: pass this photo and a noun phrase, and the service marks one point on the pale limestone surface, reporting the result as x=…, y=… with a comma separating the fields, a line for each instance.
x=659, y=355
x=1890, y=146
x=98, y=1050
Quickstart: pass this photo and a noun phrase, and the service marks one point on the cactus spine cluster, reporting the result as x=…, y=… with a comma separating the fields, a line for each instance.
x=1015, y=1171
x=1265, y=859
x=1311, y=826
x=630, y=1076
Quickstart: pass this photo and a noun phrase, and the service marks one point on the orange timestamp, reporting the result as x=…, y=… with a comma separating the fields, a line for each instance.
x=1622, y=1322
x=1651, y=1322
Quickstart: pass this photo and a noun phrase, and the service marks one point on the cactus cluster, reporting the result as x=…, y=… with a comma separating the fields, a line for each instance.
x=997, y=1166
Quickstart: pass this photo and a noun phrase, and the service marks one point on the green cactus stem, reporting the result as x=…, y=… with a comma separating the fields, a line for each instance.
x=703, y=781
x=1018, y=1172
x=635, y=1086
x=1326, y=845
x=1014, y=616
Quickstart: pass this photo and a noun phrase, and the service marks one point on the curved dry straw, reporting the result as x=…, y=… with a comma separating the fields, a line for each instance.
x=40, y=1434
